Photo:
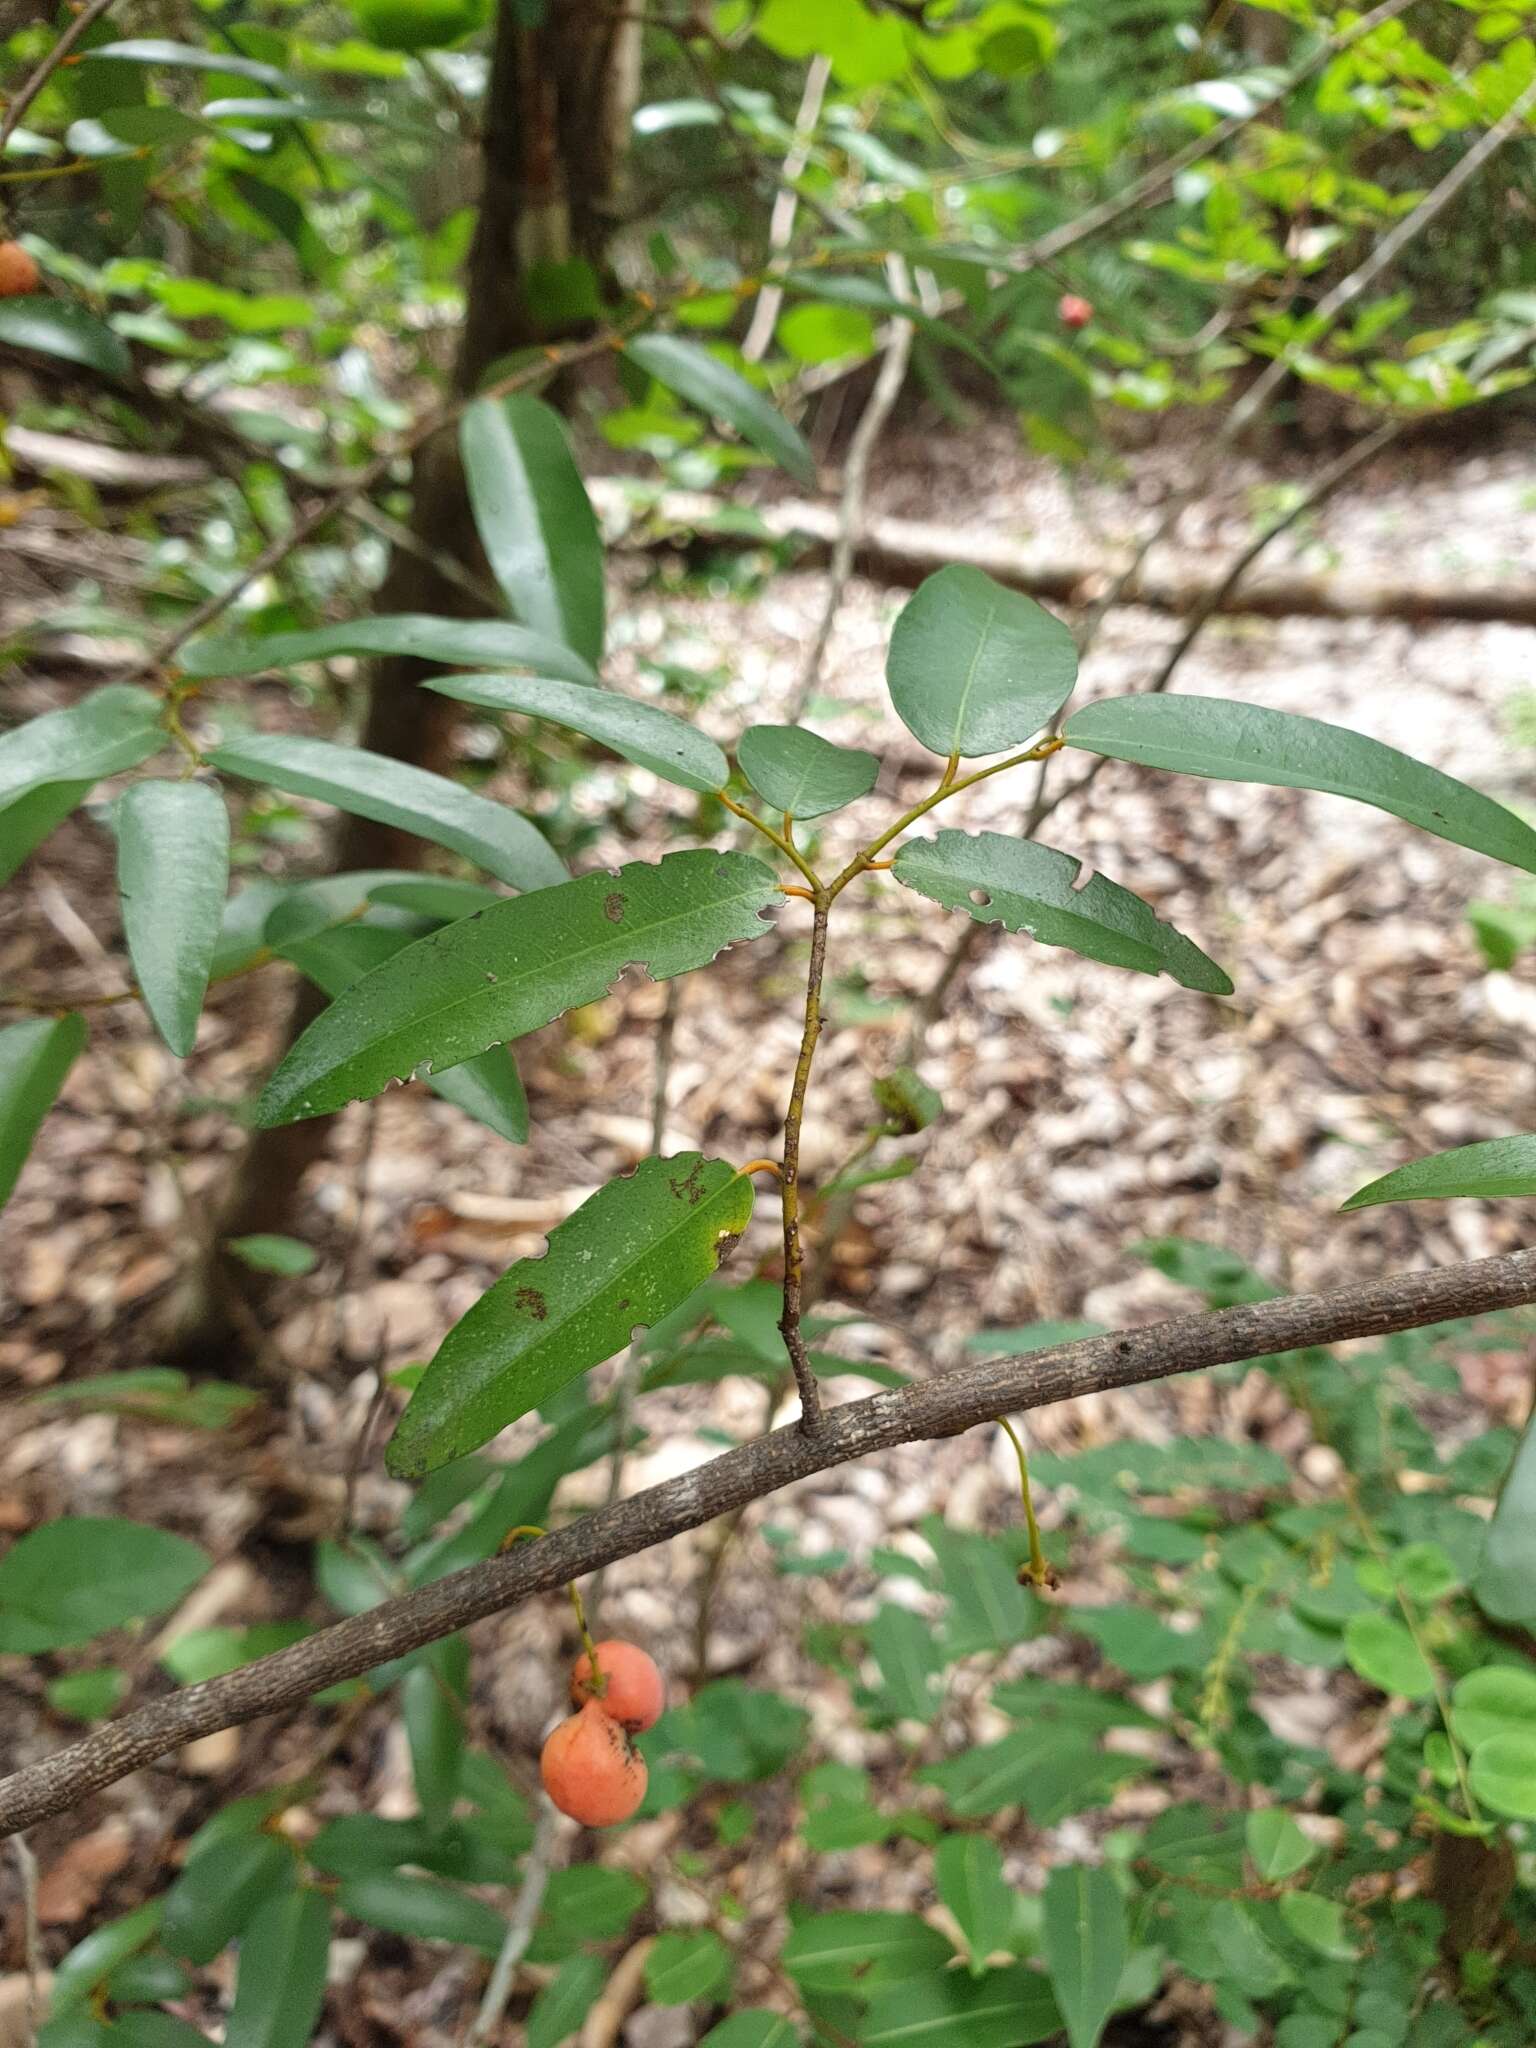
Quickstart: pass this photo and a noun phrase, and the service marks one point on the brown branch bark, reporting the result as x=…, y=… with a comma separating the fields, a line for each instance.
x=943, y=1406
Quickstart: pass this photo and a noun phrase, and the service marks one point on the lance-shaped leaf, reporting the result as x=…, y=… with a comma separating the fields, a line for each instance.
x=1496, y=1167
x=34, y=1058
x=1083, y=1936
x=281, y=1984
x=1230, y=742
x=801, y=773
x=973, y=667
x=696, y=375
x=69, y=333
x=487, y=1088
x=501, y=972
x=172, y=873
x=394, y=793
x=1029, y=888
x=649, y=737
x=1505, y=1583
x=113, y=728
x=627, y=1256
x=158, y=53
x=477, y=643
x=26, y=822
x=534, y=518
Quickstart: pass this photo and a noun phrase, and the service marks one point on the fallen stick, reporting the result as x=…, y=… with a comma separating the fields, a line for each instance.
x=901, y=552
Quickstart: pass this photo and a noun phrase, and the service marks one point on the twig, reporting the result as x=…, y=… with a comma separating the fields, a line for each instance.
x=520, y=1926
x=1153, y=183
x=861, y=447
x=1385, y=252
x=83, y=22
x=786, y=204
x=1158, y=180
x=943, y=1406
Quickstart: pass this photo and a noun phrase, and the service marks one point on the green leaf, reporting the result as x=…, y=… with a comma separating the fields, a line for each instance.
x=432, y=1705
x=835, y=1951
x=1385, y=1655
x=948, y=2009
x=1498, y=1700
x=417, y=636
x=534, y=518
x=565, y=2001
x=157, y=1392
x=487, y=1087
x=974, y=668
x=968, y=1872
x=89, y=1961
x=1485, y=1171
x=904, y=1646
x=110, y=729
x=907, y=1099
x=583, y=1903
x=26, y=821
x=801, y=773
x=1505, y=1582
x=281, y=1985
x=86, y=1695
x=1319, y=1923
x=714, y=387
x=153, y=125
x=67, y=332
x=265, y=1251
x=1085, y=1945
x=629, y=1254
x=1277, y=1846
x=394, y=793
x=424, y=1909
x=641, y=733
x=34, y=1058
x=1029, y=888
x=1231, y=742
x=751, y=2029
x=1051, y=1773
x=686, y=1964
x=160, y=54
x=154, y=2030
x=221, y=1888
x=68, y=1580
x=503, y=972
x=172, y=874
x=1503, y=1774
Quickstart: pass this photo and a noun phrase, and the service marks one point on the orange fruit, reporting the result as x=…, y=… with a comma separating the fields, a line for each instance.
x=18, y=273
x=590, y=1769
x=634, y=1692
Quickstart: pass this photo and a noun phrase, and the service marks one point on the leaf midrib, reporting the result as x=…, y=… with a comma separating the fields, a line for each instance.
x=970, y=674
x=505, y=983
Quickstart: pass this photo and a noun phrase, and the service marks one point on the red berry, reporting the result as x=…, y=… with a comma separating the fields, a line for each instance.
x=18, y=272
x=1073, y=311
x=591, y=1771
x=634, y=1692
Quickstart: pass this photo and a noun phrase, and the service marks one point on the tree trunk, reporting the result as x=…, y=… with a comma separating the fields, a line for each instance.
x=558, y=105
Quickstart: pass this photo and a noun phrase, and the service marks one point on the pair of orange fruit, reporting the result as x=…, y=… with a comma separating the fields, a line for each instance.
x=590, y=1766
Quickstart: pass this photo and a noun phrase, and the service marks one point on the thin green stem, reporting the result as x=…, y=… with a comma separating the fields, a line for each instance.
x=949, y=786
x=785, y=845
x=1039, y=1571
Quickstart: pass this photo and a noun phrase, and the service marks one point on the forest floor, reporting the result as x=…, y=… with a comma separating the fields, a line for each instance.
x=1085, y=1110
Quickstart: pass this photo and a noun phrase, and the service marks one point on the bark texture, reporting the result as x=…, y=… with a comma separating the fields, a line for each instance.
x=943, y=1406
